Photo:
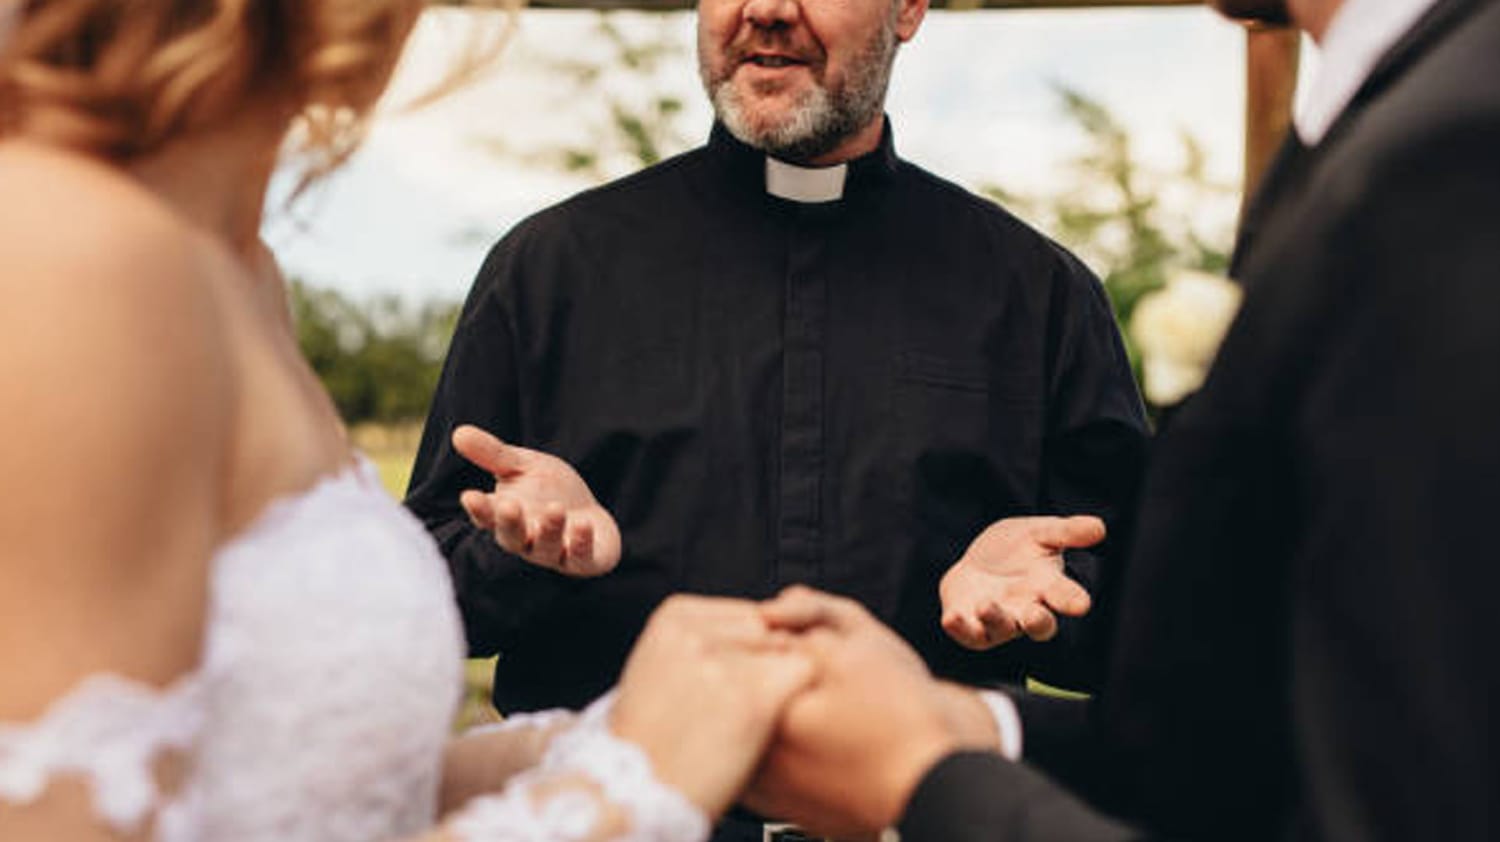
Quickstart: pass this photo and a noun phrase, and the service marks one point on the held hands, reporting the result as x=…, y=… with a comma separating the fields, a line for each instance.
x=702, y=693
x=828, y=716
x=853, y=746
x=541, y=509
x=1011, y=581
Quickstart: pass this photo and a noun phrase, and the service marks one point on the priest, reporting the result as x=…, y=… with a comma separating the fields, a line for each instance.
x=788, y=356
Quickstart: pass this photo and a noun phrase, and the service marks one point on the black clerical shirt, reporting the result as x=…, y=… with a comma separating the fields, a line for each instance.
x=765, y=392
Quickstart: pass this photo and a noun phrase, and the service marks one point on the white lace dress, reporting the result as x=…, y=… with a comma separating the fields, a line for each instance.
x=332, y=669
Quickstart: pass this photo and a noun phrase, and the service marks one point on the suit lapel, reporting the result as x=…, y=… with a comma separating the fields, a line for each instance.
x=1280, y=175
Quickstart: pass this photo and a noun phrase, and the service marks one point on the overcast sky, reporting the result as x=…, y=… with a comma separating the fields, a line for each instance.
x=973, y=99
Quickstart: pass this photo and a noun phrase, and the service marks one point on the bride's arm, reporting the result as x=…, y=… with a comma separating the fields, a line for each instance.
x=667, y=753
x=485, y=759
x=111, y=441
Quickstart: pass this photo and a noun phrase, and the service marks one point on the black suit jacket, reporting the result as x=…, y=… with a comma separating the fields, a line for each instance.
x=1306, y=633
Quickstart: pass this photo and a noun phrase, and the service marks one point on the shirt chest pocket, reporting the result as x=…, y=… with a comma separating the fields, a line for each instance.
x=968, y=420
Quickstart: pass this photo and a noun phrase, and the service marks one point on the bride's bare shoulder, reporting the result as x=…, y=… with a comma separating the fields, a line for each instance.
x=111, y=337
x=81, y=217
x=84, y=248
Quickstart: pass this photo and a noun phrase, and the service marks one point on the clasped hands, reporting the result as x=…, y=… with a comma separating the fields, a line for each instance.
x=804, y=707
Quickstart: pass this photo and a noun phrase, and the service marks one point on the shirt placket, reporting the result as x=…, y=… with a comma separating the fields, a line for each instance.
x=800, y=532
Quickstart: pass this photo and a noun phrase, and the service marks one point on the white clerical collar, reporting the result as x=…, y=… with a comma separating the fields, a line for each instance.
x=801, y=184
x=1358, y=36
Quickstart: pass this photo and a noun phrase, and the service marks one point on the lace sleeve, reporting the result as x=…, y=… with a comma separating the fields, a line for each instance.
x=589, y=787
x=108, y=732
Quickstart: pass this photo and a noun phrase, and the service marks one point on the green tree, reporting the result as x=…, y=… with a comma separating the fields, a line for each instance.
x=379, y=359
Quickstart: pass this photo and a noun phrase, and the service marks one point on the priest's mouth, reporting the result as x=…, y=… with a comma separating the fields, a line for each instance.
x=774, y=61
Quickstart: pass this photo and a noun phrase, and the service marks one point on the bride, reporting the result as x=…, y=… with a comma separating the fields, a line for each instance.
x=213, y=623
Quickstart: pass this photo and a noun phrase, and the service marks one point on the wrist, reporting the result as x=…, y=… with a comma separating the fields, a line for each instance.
x=920, y=751
x=971, y=718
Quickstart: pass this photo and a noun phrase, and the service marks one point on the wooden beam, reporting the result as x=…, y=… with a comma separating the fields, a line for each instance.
x=1272, y=56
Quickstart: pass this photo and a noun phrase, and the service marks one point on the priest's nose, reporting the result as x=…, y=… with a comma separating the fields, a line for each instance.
x=772, y=14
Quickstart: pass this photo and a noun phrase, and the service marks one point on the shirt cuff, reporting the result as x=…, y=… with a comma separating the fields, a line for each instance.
x=1007, y=722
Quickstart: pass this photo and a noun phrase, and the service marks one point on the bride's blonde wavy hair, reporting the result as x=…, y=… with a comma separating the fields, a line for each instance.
x=119, y=79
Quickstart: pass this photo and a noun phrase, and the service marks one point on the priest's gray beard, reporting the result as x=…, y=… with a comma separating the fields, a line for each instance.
x=823, y=117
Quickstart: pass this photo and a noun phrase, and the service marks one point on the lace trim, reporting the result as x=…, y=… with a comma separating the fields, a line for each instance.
x=588, y=752
x=108, y=730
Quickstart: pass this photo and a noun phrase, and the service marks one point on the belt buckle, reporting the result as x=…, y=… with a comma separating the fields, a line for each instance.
x=775, y=832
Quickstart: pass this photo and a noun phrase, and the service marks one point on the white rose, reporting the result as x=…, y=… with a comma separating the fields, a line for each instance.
x=1178, y=329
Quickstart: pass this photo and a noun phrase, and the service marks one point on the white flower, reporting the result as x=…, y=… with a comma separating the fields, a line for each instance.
x=1178, y=329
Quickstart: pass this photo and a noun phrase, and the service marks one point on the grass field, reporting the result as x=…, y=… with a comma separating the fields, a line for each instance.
x=392, y=448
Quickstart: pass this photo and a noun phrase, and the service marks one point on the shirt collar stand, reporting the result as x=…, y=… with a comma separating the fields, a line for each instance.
x=804, y=185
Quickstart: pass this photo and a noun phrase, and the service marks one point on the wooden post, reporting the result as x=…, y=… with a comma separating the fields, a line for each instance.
x=1271, y=58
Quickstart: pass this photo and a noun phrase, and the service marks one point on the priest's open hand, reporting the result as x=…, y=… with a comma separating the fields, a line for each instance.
x=1011, y=582
x=540, y=508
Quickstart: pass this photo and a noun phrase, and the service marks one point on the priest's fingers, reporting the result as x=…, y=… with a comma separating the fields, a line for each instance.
x=966, y=630
x=487, y=451
x=1002, y=620
x=578, y=553
x=1066, y=596
x=1060, y=533
x=510, y=525
x=477, y=505
x=547, y=536
x=1037, y=622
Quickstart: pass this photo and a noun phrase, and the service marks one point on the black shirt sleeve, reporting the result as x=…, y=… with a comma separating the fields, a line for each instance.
x=1093, y=456
x=498, y=593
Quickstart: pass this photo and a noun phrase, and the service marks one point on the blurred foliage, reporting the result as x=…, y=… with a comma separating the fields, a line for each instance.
x=642, y=131
x=1132, y=224
x=379, y=359
x=627, y=113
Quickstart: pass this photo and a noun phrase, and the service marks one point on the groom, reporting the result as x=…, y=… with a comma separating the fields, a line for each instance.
x=788, y=356
x=1306, y=639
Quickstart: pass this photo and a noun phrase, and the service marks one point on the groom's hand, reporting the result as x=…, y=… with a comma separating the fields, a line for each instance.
x=852, y=748
x=702, y=693
x=1010, y=583
x=541, y=509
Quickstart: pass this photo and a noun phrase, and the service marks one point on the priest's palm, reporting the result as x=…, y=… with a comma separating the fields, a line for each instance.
x=541, y=509
x=1010, y=581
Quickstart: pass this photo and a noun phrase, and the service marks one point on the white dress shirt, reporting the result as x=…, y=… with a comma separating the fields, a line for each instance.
x=1358, y=36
